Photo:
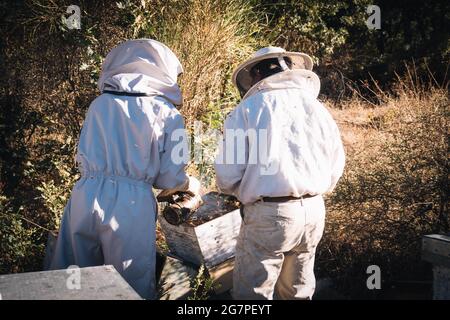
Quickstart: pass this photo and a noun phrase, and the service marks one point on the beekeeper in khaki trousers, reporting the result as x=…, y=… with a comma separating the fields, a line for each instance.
x=290, y=156
x=125, y=149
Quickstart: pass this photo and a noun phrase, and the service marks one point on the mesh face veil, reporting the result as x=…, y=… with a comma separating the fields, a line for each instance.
x=251, y=75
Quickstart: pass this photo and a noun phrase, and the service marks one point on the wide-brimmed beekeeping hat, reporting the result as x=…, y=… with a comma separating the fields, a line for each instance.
x=242, y=77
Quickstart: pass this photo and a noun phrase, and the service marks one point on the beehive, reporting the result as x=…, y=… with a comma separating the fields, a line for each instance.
x=202, y=240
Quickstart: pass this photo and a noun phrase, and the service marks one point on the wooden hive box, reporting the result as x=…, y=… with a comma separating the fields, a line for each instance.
x=210, y=243
x=95, y=283
x=436, y=250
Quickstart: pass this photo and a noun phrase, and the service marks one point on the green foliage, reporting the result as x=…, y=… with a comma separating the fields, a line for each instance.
x=316, y=27
x=55, y=195
x=19, y=248
x=343, y=47
x=201, y=285
x=411, y=30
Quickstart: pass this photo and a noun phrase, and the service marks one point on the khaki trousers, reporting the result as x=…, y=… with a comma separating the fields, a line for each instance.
x=275, y=249
x=110, y=221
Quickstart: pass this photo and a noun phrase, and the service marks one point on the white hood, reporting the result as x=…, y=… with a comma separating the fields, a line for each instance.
x=142, y=66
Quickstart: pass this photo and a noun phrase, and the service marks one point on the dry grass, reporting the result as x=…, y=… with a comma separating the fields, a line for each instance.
x=210, y=37
x=395, y=187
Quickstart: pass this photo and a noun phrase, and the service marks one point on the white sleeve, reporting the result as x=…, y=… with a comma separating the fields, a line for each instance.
x=229, y=171
x=172, y=173
x=337, y=156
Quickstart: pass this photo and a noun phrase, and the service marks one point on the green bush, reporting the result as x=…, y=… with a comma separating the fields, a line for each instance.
x=346, y=51
x=20, y=248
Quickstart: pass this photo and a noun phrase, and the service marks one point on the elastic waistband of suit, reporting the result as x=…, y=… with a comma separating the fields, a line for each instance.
x=117, y=178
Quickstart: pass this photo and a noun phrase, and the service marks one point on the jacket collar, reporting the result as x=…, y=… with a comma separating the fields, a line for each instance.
x=300, y=79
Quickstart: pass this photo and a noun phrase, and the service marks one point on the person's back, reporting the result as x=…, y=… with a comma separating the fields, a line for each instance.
x=297, y=144
x=281, y=151
x=125, y=136
x=124, y=150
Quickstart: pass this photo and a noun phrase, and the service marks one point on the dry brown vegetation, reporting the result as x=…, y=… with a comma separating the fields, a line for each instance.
x=395, y=187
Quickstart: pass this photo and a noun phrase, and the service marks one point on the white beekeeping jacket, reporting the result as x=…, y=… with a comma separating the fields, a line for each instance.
x=129, y=136
x=292, y=146
x=125, y=148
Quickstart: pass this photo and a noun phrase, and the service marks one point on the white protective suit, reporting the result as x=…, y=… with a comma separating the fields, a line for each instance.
x=302, y=155
x=124, y=149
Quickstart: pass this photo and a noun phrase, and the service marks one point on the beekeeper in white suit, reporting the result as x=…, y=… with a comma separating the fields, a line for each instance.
x=292, y=154
x=125, y=148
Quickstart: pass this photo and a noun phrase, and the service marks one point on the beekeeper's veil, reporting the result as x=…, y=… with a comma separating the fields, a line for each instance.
x=142, y=66
x=300, y=63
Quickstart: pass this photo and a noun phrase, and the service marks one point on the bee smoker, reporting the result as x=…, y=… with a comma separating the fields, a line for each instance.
x=180, y=207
